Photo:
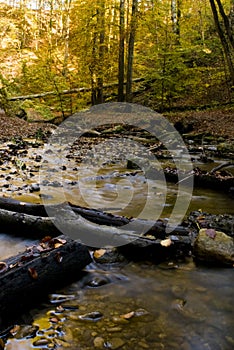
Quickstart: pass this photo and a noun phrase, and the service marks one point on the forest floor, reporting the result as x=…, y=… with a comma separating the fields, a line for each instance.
x=219, y=123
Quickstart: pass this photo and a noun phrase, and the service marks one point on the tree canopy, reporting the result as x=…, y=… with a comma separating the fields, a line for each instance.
x=182, y=49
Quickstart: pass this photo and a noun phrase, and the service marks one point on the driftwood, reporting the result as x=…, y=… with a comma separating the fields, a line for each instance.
x=42, y=268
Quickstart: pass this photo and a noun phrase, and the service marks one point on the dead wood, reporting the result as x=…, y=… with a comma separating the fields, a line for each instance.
x=31, y=275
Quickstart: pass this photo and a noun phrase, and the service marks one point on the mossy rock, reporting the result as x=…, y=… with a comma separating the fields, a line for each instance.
x=214, y=247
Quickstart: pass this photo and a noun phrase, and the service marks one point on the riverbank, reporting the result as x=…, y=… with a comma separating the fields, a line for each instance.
x=218, y=123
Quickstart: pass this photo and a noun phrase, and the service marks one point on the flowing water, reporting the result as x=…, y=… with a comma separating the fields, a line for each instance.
x=132, y=306
x=139, y=306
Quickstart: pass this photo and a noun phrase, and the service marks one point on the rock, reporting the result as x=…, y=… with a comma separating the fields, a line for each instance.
x=91, y=316
x=115, y=343
x=98, y=342
x=41, y=342
x=34, y=188
x=217, y=248
x=26, y=331
x=97, y=281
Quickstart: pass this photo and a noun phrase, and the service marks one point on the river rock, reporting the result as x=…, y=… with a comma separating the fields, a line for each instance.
x=98, y=342
x=114, y=343
x=214, y=247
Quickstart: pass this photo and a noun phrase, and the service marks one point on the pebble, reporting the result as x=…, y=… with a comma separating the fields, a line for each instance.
x=98, y=342
x=26, y=331
x=41, y=342
x=119, y=320
x=114, y=329
x=114, y=343
x=91, y=316
x=61, y=343
x=98, y=281
x=140, y=312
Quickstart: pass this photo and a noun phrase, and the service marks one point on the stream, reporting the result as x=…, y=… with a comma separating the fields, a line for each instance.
x=170, y=306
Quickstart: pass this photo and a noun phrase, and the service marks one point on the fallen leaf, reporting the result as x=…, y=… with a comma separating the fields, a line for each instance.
x=99, y=253
x=58, y=245
x=60, y=240
x=46, y=239
x=54, y=319
x=13, y=265
x=128, y=315
x=57, y=242
x=15, y=329
x=211, y=233
x=166, y=242
x=33, y=273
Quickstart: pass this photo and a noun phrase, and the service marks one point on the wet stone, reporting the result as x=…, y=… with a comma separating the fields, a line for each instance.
x=41, y=342
x=91, y=316
x=115, y=343
x=98, y=281
x=26, y=331
x=140, y=312
x=34, y=188
x=114, y=329
x=98, y=342
x=119, y=320
x=217, y=248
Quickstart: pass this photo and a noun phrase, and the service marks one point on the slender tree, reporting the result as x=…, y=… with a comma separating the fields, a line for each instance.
x=131, y=43
x=224, y=40
x=121, y=51
x=226, y=22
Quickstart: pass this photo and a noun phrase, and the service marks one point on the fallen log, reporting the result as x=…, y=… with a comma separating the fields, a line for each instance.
x=29, y=218
x=217, y=181
x=221, y=166
x=66, y=92
x=142, y=239
x=31, y=275
x=25, y=225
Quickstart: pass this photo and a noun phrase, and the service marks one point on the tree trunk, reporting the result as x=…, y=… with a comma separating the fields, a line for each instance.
x=223, y=40
x=131, y=43
x=101, y=51
x=121, y=52
x=30, y=220
x=29, y=276
x=226, y=23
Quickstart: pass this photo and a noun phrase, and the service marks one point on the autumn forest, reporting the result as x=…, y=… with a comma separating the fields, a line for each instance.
x=161, y=53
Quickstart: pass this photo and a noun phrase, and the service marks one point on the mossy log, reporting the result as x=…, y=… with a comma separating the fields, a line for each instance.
x=29, y=276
